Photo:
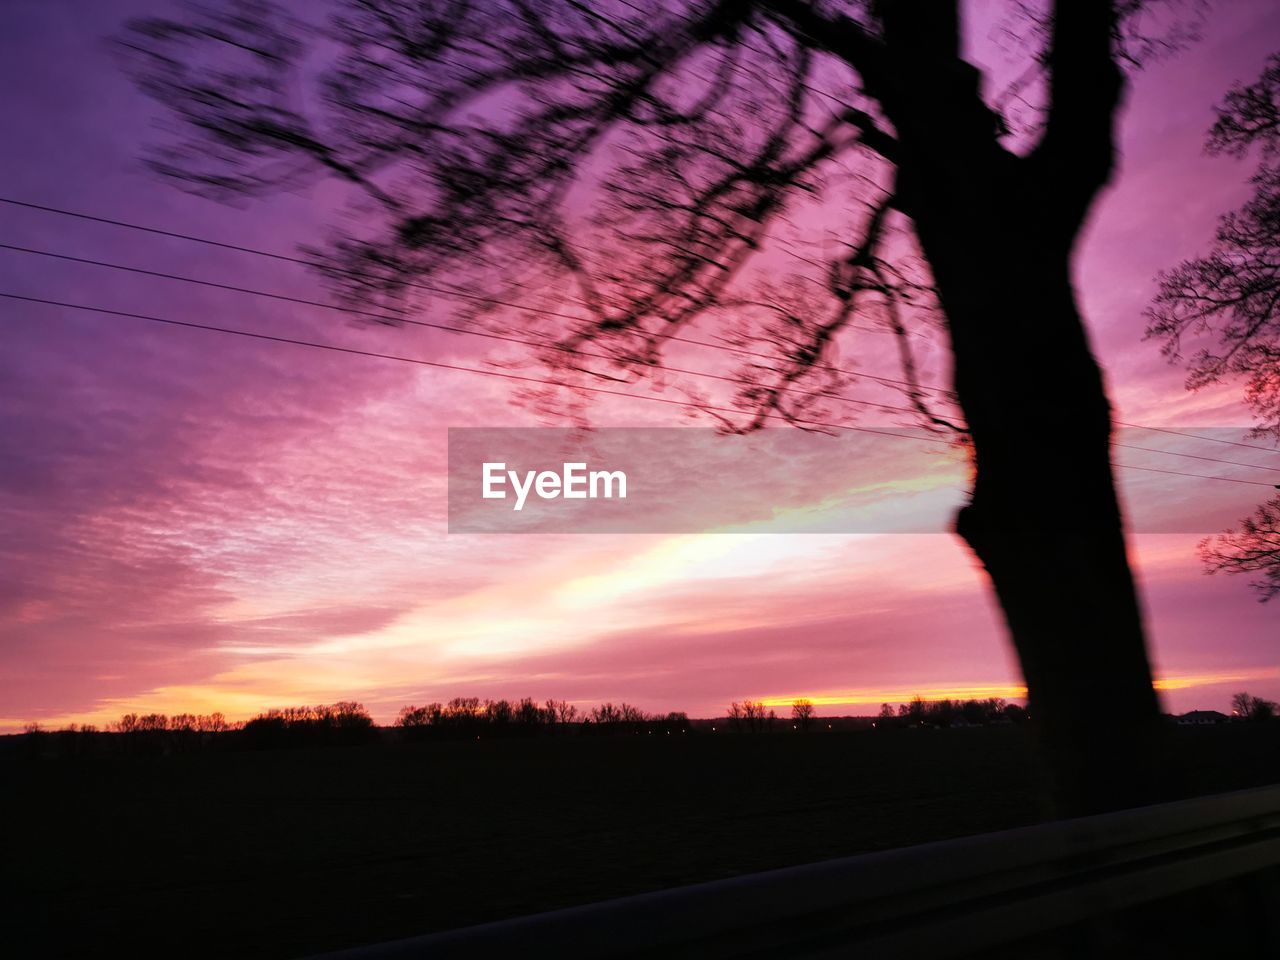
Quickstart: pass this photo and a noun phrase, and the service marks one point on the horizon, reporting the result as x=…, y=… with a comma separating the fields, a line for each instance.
x=584, y=715
x=203, y=523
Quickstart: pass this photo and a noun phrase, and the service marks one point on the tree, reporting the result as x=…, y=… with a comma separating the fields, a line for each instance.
x=605, y=713
x=942, y=713
x=213, y=723
x=914, y=712
x=350, y=717
x=1242, y=704
x=499, y=714
x=737, y=718
x=802, y=713
x=1249, y=707
x=1014, y=713
x=642, y=154
x=975, y=711
x=418, y=722
x=1231, y=298
x=562, y=712
x=529, y=715
x=756, y=717
x=461, y=715
x=750, y=716
x=1253, y=548
x=622, y=717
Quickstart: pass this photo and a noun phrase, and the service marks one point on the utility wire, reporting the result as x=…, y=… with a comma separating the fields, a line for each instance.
x=460, y=294
x=389, y=318
x=191, y=324
x=315, y=264
x=1193, y=456
x=1195, y=436
x=537, y=380
x=1202, y=476
x=394, y=319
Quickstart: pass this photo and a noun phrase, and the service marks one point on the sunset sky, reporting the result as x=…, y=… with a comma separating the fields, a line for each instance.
x=194, y=522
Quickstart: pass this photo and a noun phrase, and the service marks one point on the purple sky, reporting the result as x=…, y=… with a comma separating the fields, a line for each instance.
x=202, y=522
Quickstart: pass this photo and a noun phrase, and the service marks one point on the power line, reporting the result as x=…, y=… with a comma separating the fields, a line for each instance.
x=1193, y=456
x=537, y=380
x=191, y=324
x=1196, y=436
x=389, y=318
x=430, y=288
x=315, y=264
x=1201, y=476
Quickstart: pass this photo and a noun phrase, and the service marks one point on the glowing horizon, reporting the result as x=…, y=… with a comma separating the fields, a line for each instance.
x=197, y=523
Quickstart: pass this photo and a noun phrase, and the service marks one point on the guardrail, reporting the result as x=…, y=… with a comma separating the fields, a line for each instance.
x=943, y=899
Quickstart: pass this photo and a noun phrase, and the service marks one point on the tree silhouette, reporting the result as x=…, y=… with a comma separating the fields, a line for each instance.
x=914, y=712
x=1231, y=295
x=637, y=166
x=1248, y=707
x=562, y=711
x=750, y=716
x=1231, y=298
x=1252, y=548
x=802, y=713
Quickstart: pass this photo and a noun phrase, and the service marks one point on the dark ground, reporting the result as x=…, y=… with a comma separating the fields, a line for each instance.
x=285, y=852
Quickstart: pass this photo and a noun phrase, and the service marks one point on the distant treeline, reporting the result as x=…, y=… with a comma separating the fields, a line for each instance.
x=470, y=718
x=348, y=722
x=952, y=713
x=753, y=716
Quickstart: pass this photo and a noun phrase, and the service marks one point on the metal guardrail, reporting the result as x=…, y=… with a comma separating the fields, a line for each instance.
x=949, y=898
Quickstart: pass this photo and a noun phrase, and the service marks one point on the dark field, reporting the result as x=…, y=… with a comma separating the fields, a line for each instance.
x=286, y=852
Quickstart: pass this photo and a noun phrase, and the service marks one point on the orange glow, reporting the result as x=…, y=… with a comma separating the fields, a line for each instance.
x=903, y=695
x=1005, y=691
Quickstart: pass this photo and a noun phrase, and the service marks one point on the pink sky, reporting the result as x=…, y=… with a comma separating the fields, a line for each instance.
x=194, y=523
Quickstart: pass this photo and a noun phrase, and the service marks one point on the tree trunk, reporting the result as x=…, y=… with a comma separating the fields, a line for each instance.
x=1044, y=518
x=1045, y=522
x=998, y=231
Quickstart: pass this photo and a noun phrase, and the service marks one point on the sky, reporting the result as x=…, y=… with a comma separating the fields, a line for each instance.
x=192, y=522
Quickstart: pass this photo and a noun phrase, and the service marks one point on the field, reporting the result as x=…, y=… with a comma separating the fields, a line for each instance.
x=281, y=853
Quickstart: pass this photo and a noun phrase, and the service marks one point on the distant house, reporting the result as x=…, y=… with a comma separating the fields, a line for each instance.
x=1202, y=718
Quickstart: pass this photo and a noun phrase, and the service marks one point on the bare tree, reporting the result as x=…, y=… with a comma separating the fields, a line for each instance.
x=802, y=713
x=1230, y=297
x=562, y=712
x=636, y=167
x=1241, y=704
x=1248, y=707
x=750, y=716
x=1228, y=300
x=915, y=711
x=417, y=722
x=1253, y=548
